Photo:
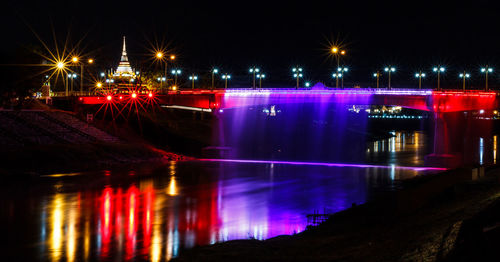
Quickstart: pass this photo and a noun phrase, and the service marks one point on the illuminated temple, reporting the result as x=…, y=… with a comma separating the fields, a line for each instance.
x=124, y=70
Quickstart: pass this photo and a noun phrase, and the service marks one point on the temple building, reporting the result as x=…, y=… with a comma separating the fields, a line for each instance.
x=124, y=71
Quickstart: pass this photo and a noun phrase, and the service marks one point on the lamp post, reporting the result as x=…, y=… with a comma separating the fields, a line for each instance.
x=342, y=71
x=297, y=73
x=260, y=77
x=438, y=70
x=337, y=75
x=464, y=75
x=163, y=58
x=76, y=60
x=389, y=69
x=214, y=71
x=337, y=52
x=72, y=77
x=486, y=70
x=161, y=80
x=419, y=75
x=159, y=56
x=226, y=77
x=377, y=75
x=193, y=78
x=176, y=72
x=253, y=71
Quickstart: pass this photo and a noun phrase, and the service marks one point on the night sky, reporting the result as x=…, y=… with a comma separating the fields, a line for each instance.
x=274, y=35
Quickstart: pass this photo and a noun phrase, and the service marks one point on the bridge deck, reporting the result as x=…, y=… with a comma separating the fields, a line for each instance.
x=428, y=100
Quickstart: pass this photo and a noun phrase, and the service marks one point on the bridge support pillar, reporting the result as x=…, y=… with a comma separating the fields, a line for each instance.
x=456, y=140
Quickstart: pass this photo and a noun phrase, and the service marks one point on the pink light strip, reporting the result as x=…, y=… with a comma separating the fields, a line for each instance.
x=323, y=164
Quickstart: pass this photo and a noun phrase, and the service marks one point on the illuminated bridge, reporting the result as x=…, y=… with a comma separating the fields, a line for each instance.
x=450, y=124
x=210, y=100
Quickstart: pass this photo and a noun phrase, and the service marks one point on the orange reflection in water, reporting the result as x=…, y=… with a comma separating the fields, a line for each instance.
x=57, y=223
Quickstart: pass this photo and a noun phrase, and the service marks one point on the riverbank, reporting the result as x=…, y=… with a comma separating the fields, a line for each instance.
x=423, y=222
x=34, y=161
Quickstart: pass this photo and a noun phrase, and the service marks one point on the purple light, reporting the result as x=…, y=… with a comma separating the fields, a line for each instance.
x=324, y=164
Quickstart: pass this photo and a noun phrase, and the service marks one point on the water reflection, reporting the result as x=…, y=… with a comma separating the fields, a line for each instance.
x=187, y=204
x=403, y=148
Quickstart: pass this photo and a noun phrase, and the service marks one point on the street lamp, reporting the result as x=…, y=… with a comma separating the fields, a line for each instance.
x=377, y=75
x=438, y=70
x=214, y=71
x=420, y=75
x=260, y=77
x=464, y=75
x=307, y=84
x=226, y=77
x=72, y=77
x=297, y=73
x=176, y=72
x=161, y=80
x=254, y=70
x=163, y=58
x=389, y=69
x=337, y=75
x=76, y=60
x=486, y=70
x=342, y=71
x=193, y=78
x=337, y=52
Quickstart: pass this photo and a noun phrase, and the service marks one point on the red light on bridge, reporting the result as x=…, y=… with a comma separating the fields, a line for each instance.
x=121, y=97
x=150, y=95
x=134, y=95
x=109, y=98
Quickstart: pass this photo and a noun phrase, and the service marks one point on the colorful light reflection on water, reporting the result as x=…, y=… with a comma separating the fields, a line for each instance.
x=154, y=218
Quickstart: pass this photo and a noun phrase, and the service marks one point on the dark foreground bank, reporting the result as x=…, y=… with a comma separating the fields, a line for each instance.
x=17, y=163
x=437, y=218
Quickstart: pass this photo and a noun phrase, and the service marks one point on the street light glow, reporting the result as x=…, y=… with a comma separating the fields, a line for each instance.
x=440, y=69
x=335, y=50
x=91, y=61
x=392, y=69
x=462, y=75
x=60, y=65
x=99, y=84
x=159, y=55
x=74, y=59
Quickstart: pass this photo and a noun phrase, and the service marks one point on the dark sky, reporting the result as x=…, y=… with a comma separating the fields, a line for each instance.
x=272, y=34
